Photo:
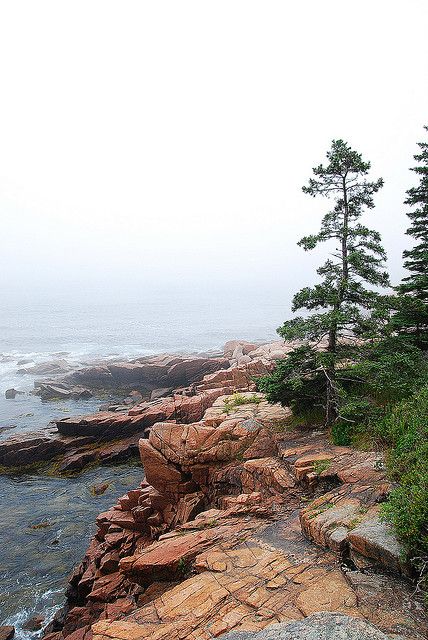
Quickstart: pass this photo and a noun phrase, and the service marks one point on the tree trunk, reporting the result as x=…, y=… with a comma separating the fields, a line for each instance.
x=331, y=394
x=331, y=411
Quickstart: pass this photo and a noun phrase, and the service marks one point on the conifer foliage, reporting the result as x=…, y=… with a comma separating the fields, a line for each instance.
x=340, y=303
x=412, y=317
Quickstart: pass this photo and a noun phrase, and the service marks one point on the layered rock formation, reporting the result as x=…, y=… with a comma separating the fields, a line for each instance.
x=221, y=536
x=81, y=440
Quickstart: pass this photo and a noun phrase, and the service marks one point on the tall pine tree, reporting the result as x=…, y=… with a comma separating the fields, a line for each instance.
x=340, y=303
x=412, y=317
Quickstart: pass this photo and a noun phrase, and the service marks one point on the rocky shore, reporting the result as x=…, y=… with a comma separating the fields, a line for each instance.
x=240, y=522
x=153, y=389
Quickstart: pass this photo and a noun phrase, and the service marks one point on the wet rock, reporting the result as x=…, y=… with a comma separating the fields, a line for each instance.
x=7, y=632
x=320, y=626
x=7, y=428
x=52, y=391
x=34, y=623
x=10, y=394
x=99, y=489
x=33, y=448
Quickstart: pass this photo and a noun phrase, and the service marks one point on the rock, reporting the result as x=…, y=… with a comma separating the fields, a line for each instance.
x=160, y=393
x=173, y=554
x=319, y=626
x=147, y=373
x=219, y=541
x=34, y=623
x=236, y=378
x=374, y=539
x=7, y=632
x=175, y=450
x=76, y=461
x=135, y=397
x=7, y=428
x=55, y=367
x=99, y=489
x=25, y=449
x=52, y=391
x=10, y=394
x=270, y=415
x=111, y=425
x=245, y=347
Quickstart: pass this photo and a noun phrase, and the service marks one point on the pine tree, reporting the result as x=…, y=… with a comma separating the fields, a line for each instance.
x=412, y=317
x=340, y=303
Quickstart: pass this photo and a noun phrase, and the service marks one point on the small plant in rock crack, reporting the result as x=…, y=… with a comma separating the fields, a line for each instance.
x=321, y=465
x=183, y=567
x=237, y=399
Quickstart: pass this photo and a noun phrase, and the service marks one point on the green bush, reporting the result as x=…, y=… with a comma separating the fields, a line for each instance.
x=297, y=383
x=405, y=429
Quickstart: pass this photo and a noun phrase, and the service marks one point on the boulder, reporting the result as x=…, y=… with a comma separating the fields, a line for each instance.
x=374, y=539
x=319, y=626
x=34, y=623
x=10, y=394
x=198, y=443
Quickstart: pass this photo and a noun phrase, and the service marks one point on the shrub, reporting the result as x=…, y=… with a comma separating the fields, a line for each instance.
x=405, y=428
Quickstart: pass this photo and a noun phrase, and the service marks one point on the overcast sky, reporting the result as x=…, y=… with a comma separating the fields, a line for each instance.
x=166, y=143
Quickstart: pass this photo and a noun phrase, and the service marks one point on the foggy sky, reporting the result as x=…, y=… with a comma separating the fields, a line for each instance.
x=165, y=143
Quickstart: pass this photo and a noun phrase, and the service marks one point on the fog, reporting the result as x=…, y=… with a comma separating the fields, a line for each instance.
x=163, y=145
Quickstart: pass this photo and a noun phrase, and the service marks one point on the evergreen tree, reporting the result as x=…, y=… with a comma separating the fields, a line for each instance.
x=341, y=301
x=412, y=317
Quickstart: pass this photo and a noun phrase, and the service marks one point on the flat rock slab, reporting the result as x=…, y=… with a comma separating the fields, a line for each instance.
x=320, y=626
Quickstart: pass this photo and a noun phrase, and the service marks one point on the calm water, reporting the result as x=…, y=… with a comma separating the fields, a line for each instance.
x=34, y=563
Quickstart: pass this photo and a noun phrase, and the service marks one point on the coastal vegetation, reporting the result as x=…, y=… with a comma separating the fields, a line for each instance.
x=360, y=364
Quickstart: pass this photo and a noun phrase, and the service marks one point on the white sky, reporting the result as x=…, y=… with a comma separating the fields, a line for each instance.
x=146, y=143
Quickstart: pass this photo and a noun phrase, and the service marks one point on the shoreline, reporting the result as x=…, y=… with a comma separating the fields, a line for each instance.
x=226, y=480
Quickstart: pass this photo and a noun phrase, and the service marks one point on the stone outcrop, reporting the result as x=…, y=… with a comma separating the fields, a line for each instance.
x=102, y=437
x=346, y=518
x=227, y=533
x=146, y=374
x=319, y=626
